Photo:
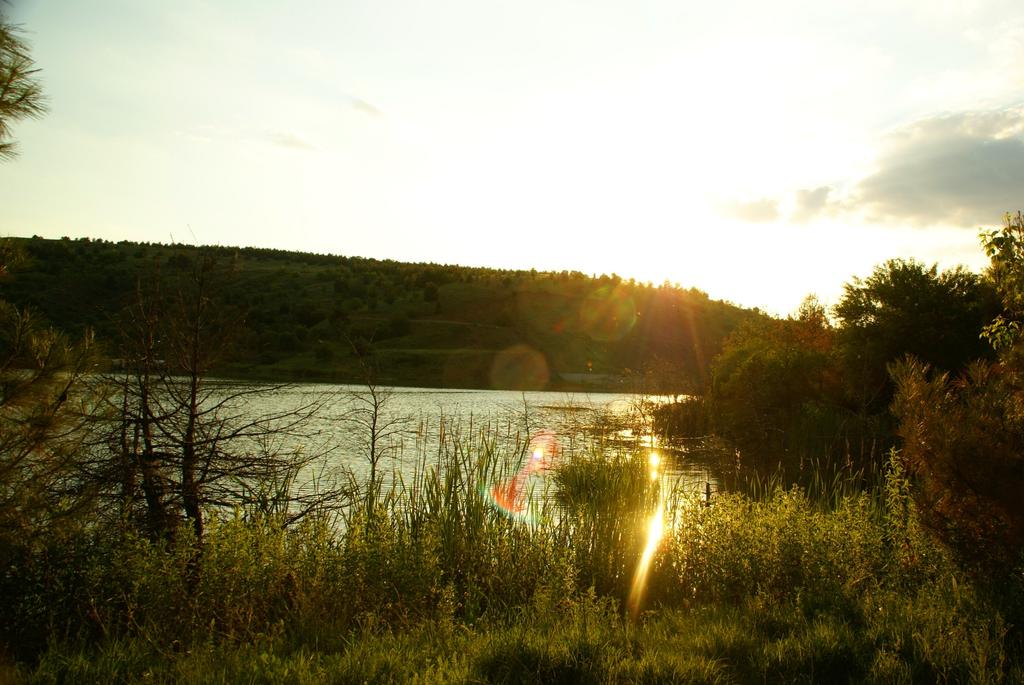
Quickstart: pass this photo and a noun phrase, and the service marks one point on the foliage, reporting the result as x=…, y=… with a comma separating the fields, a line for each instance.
x=931, y=639
x=685, y=417
x=45, y=412
x=181, y=443
x=963, y=441
x=905, y=307
x=777, y=389
x=964, y=435
x=425, y=324
x=21, y=95
x=791, y=391
x=1005, y=249
x=446, y=589
x=605, y=504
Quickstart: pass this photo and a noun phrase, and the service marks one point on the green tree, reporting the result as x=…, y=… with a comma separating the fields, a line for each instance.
x=45, y=419
x=963, y=435
x=1005, y=249
x=905, y=307
x=47, y=411
x=772, y=375
x=21, y=95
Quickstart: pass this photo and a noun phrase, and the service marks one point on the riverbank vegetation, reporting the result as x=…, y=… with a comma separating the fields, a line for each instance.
x=432, y=583
x=152, y=530
x=818, y=385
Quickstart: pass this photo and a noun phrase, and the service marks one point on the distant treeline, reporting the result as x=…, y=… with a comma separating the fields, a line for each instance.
x=325, y=317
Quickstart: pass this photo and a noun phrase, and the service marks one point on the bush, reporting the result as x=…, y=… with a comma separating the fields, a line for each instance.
x=963, y=444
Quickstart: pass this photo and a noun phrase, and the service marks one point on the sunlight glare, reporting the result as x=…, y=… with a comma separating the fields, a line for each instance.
x=655, y=531
x=654, y=461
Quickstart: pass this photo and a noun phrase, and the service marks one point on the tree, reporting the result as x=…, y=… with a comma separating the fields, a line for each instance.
x=771, y=376
x=1005, y=249
x=963, y=435
x=21, y=95
x=963, y=443
x=903, y=308
x=370, y=415
x=45, y=421
x=186, y=443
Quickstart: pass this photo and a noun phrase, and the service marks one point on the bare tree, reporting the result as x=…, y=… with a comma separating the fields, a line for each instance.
x=135, y=457
x=381, y=430
x=189, y=442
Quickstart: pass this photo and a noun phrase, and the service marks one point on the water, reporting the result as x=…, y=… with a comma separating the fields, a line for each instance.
x=416, y=424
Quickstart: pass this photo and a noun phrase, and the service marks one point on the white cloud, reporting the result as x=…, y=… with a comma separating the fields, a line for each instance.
x=809, y=203
x=763, y=210
x=366, y=108
x=289, y=140
x=960, y=169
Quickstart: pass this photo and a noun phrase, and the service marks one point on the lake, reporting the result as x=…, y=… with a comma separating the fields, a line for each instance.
x=416, y=424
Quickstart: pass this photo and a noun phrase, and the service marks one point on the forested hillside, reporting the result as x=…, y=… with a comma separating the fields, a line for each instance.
x=323, y=317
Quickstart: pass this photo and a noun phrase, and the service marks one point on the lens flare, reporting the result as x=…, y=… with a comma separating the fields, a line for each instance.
x=519, y=367
x=511, y=497
x=608, y=314
x=655, y=531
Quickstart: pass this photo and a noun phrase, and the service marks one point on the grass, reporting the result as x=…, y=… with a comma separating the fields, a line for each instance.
x=429, y=583
x=577, y=640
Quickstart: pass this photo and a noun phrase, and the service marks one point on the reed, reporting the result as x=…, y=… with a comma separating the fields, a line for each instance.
x=429, y=579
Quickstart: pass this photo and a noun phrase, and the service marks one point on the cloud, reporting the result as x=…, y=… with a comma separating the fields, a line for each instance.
x=754, y=211
x=960, y=169
x=295, y=142
x=289, y=140
x=365, y=107
x=808, y=204
x=278, y=137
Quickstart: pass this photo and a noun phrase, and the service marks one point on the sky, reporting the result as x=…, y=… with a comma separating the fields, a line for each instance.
x=759, y=151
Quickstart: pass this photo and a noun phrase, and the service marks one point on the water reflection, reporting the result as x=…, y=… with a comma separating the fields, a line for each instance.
x=435, y=422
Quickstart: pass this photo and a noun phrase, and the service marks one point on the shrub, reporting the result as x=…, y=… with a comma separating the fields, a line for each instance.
x=963, y=444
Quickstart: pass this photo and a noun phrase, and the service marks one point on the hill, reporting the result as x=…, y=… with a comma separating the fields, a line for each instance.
x=322, y=317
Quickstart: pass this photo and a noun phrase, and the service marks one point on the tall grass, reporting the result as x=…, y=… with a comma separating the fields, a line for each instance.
x=428, y=580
